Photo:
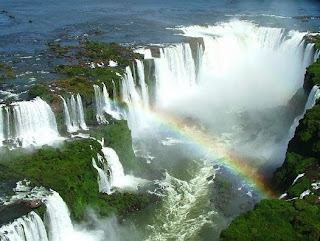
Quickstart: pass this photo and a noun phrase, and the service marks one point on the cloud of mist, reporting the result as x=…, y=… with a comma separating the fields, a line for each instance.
x=97, y=228
x=246, y=71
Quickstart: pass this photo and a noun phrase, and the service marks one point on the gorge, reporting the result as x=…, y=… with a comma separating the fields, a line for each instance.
x=164, y=141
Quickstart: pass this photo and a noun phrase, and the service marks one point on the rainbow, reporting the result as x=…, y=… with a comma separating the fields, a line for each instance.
x=207, y=144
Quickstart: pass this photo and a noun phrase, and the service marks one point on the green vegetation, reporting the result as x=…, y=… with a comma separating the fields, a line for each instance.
x=42, y=91
x=302, y=156
x=6, y=71
x=299, y=187
x=118, y=136
x=276, y=220
x=307, y=138
x=313, y=75
x=56, y=47
x=69, y=171
x=99, y=51
x=80, y=75
x=77, y=85
x=294, y=165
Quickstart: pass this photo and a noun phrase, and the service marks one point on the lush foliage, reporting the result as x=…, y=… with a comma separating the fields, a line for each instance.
x=294, y=165
x=302, y=156
x=307, y=138
x=77, y=85
x=41, y=91
x=6, y=71
x=118, y=136
x=276, y=220
x=312, y=76
x=69, y=171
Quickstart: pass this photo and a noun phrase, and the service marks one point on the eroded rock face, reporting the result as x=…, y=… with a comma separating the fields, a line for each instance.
x=32, y=203
x=17, y=209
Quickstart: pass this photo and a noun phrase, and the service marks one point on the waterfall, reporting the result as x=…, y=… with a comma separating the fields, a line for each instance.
x=145, y=52
x=81, y=120
x=2, y=122
x=33, y=121
x=175, y=72
x=250, y=52
x=57, y=225
x=117, y=177
x=103, y=182
x=26, y=228
x=313, y=96
x=309, y=55
x=142, y=83
x=58, y=222
x=114, y=90
x=200, y=52
x=8, y=121
x=130, y=95
x=105, y=105
x=99, y=105
x=74, y=114
x=117, y=173
x=316, y=55
x=107, y=100
x=70, y=127
x=57, y=218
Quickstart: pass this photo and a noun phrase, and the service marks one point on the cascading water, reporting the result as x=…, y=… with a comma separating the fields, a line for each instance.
x=26, y=228
x=103, y=182
x=239, y=56
x=316, y=55
x=74, y=114
x=117, y=177
x=81, y=119
x=105, y=105
x=175, y=72
x=2, y=122
x=57, y=218
x=67, y=118
x=58, y=222
x=145, y=52
x=7, y=131
x=29, y=122
x=241, y=70
x=130, y=95
x=200, y=51
x=114, y=90
x=142, y=83
x=313, y=96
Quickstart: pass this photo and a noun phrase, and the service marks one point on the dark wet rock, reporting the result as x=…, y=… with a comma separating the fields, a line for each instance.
x=32, y=204
x=10, y=212
x=210, y=178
